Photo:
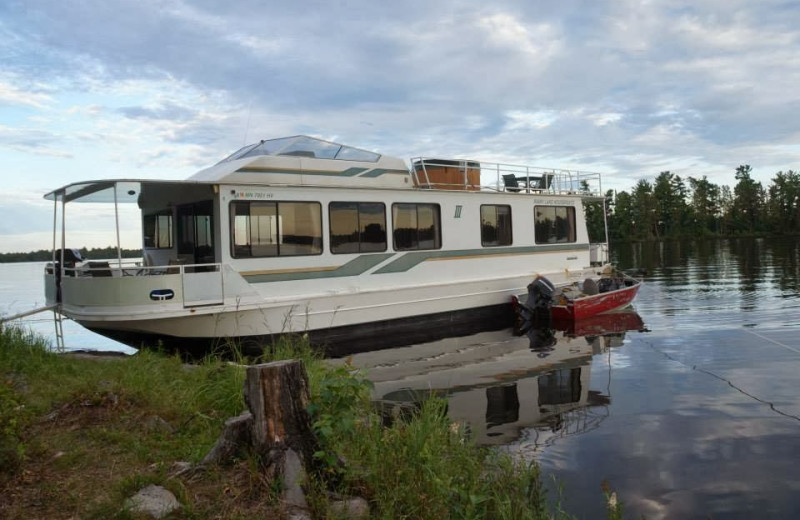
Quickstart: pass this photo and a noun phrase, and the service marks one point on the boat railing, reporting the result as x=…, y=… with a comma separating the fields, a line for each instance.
x=469, y=175
x=115, y=269
x=124, y=284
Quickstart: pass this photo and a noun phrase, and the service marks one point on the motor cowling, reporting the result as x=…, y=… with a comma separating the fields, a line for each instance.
x=540, y=294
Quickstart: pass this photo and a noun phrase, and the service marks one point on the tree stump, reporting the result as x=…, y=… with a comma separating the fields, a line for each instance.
x=277, y=395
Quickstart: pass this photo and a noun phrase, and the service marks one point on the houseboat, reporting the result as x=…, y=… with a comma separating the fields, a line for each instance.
x=302, y=235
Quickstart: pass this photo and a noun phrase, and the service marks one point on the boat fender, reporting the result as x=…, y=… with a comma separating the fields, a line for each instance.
x=540, y=293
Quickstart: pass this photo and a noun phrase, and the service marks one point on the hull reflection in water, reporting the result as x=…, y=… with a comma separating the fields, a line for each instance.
x=499, y=384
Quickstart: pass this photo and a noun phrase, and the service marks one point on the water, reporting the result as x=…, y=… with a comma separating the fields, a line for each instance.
x=22, y=289
x=697, y=417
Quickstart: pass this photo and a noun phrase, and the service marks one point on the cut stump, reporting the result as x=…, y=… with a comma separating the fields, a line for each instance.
x=277, y=395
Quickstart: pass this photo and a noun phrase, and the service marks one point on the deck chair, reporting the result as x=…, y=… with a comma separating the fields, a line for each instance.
x=544, y=182
x=511, y=183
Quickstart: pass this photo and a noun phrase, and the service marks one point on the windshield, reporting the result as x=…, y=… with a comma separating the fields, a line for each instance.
x=303, y=146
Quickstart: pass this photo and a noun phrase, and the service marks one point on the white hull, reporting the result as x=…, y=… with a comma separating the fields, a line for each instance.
x=315, y=312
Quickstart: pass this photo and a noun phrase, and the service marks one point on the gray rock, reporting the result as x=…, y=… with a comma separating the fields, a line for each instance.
x=353, y=507
x=294, y=476
x=155, y=424
x=154, y=501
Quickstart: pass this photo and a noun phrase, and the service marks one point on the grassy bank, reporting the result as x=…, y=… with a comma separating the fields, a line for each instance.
x=78, y=436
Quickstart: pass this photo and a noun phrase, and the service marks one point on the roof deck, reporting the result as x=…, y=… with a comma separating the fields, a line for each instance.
x=307, y=161
x=469, y=175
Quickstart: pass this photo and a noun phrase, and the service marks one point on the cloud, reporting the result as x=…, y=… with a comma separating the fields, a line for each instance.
x=12, y=95
x=629, y=88
x=519, y=119
x=170, y=111
x=33, y=141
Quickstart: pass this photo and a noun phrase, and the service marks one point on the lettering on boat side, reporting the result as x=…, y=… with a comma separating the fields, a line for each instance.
x=257, y=195
x=160, y=295
x=554, y=202
x=458, y=211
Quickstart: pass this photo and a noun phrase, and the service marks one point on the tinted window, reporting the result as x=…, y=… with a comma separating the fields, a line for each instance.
x=416, y=226
x=158, y=231
x=495, y=225
x=554, y=224
x=276, y=229
x=357, y=227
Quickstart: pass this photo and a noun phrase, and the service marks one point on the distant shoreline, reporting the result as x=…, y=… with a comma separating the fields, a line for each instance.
x=45, y=255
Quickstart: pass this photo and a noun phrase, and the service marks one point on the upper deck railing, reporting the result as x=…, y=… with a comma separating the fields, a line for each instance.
x=468, y=175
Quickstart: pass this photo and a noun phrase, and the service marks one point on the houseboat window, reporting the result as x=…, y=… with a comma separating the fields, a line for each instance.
x=158, y=231
x=554, y=224
x=276, y=228
x=495, y=225
x=357, y=227
x=416, y=226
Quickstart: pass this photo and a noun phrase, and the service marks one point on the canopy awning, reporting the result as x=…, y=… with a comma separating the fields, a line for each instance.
x=119, y=191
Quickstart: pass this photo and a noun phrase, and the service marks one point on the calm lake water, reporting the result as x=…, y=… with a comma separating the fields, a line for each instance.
x=694, y=416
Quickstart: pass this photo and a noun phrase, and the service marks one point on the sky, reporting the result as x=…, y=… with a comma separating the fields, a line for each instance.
x=93, y=89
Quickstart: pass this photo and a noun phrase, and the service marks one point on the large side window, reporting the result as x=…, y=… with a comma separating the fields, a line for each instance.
x=357, y=227
x=276, y=229
x=416, y=226
x=495, y=225
x=158, y=231
x=554, y=224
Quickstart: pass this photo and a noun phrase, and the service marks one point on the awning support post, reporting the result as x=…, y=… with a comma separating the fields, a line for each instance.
x=63, y=232
x=116, y=220
x=55, y=228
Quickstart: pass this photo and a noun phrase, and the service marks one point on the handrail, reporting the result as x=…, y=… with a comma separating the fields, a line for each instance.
x=130, y=269
x=561, y=181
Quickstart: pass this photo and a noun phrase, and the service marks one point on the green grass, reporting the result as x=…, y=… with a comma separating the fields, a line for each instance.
x=78, y=436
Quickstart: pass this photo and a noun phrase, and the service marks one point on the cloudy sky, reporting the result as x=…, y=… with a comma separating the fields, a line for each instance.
x=159, y=89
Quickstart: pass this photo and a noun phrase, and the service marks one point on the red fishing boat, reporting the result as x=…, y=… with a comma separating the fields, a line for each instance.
x=580, y=301
x=612, y=290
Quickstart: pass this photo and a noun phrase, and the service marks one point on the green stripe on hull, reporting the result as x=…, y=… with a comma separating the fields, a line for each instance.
x=354, y=267
x=410, y=260
x=377, y=172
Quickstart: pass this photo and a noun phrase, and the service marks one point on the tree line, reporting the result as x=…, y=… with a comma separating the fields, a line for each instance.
x=671, y=207
x=44, y=255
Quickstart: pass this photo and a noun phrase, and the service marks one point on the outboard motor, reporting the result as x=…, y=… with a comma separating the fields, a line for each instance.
x=535, y=312
x=540, y=294
x=72, y=256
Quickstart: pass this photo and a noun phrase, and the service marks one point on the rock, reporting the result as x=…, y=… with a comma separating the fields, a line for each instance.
x=294, y=477
x=353, y=507
x=155, y=424
x=154, y=501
